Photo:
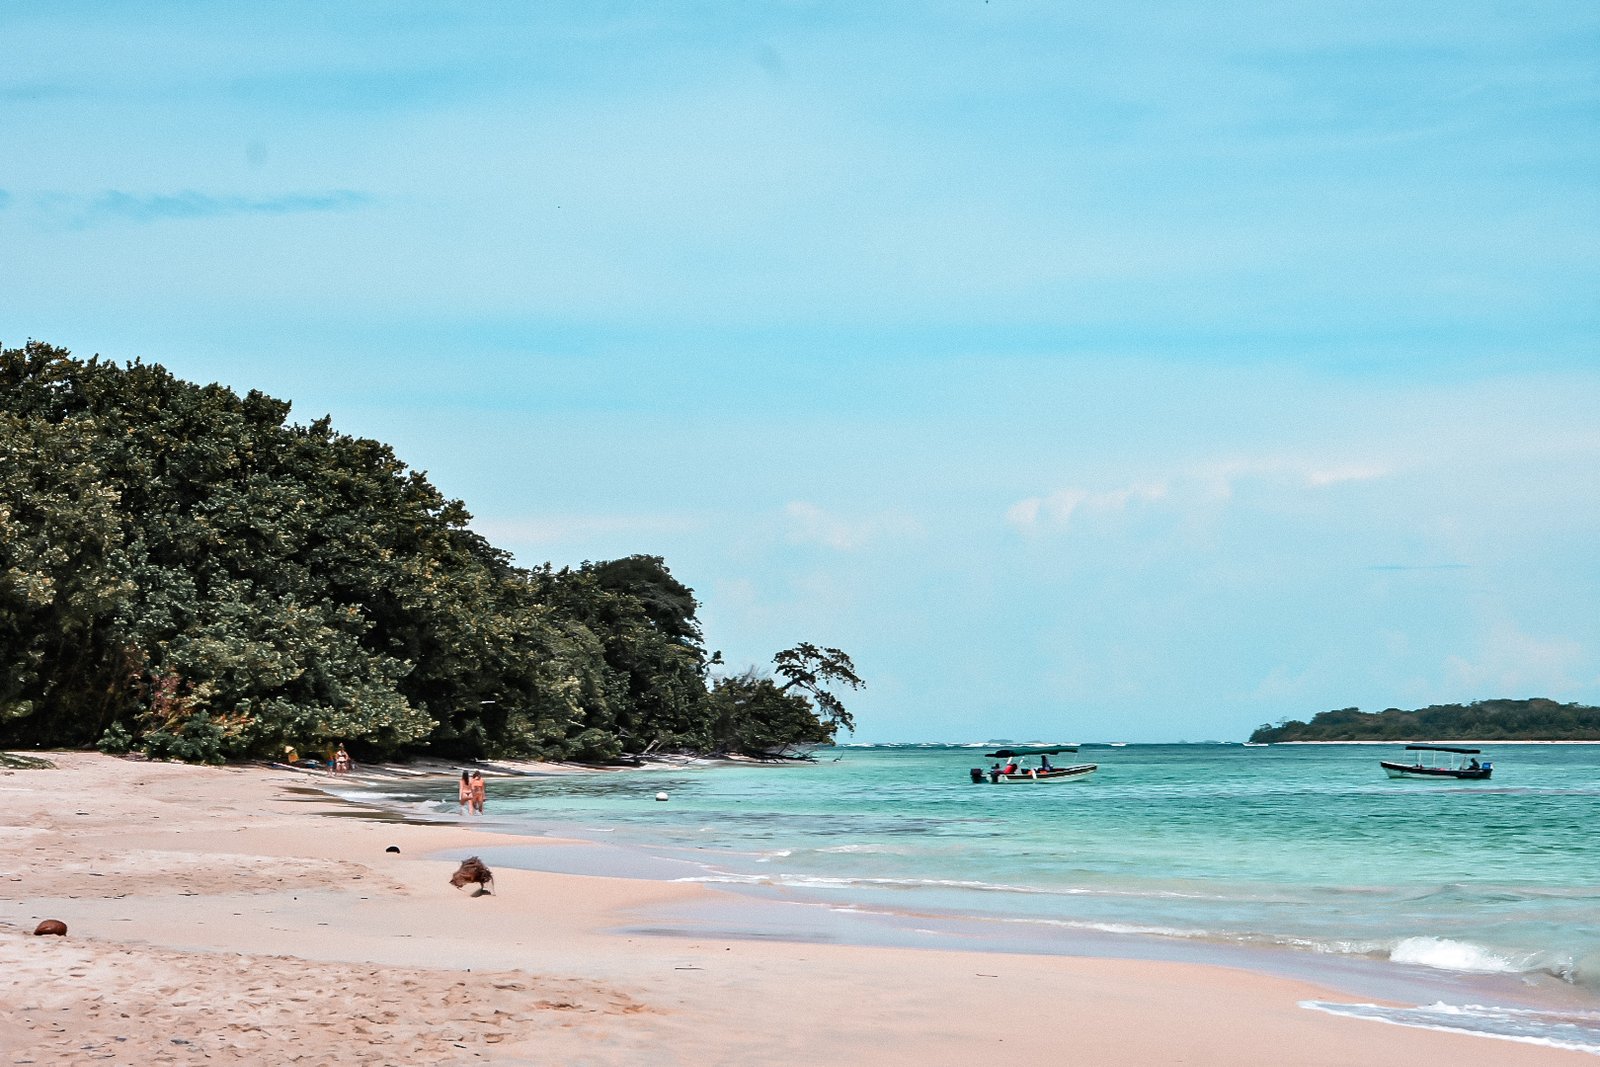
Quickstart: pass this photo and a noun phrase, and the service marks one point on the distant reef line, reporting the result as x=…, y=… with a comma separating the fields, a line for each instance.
x=1535, y=719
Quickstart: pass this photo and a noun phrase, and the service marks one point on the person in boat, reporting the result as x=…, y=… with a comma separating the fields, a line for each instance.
x=1473, y=764
x=1010, y=768
x=1044, y=763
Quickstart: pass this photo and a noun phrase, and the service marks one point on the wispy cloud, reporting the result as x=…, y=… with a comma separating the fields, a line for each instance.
x=810, y=524
x=1316, y=478
x=1055, y=510
x=1511, y=661
x=1221, y=479
x=1420, y=567
x=548, y=529
x=116, y=205
x=1210, y=484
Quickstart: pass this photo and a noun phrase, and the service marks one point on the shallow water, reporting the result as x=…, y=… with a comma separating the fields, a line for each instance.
x=1309, y=852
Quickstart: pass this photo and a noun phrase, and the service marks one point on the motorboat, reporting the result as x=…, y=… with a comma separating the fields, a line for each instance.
x=1028, y=765
x=1439, y=762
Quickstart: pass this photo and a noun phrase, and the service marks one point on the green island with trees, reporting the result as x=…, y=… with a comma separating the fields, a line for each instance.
x=187, y=573
x=1534, y=719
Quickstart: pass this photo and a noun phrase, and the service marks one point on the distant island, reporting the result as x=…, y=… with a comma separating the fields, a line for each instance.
x=1535, y=719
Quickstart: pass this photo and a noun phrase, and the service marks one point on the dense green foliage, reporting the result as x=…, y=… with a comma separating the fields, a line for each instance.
x=1484, y=720
x=186, y=572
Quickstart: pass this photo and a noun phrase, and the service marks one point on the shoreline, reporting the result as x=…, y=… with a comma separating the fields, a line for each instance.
x=218, y=915
x=1426, y=741
x=749, y=907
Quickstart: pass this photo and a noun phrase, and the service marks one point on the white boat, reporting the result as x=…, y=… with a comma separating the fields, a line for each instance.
x=1017, y=770
x=1435, y=762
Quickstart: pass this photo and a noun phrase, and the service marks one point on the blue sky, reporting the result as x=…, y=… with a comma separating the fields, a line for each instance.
x=1110, y=372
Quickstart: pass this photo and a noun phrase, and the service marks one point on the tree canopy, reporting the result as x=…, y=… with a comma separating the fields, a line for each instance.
x=185, y=571
x=1535, y=719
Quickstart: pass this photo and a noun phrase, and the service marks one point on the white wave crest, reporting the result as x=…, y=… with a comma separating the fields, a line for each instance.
x=1446, y=954
x=861, y=848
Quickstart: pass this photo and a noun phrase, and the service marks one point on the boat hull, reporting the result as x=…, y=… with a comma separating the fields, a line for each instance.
x=1054, y=774
x=1411, y=770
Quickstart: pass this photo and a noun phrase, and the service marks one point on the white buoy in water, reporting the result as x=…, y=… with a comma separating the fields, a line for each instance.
x=661, y=796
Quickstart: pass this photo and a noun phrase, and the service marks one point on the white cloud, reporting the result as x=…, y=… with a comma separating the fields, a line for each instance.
x=1210, y=484
x=1510, y=661
x=1317, y=478
x=1283, y=684
x=1220, y=479
x=810, y=524
x=1055, y=510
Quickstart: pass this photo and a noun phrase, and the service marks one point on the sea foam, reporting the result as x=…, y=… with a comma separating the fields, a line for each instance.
x=1447, y=954
x=1574, y=1031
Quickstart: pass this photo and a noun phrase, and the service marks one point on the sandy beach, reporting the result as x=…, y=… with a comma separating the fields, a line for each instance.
x=235, y=915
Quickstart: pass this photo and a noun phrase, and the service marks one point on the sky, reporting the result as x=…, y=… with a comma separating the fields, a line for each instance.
x=1095, y=371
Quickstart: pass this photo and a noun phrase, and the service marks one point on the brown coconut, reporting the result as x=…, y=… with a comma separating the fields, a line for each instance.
x=51, y=926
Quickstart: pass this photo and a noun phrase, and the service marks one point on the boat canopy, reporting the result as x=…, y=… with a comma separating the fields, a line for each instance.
x=1010, y=753
x=1443, y=748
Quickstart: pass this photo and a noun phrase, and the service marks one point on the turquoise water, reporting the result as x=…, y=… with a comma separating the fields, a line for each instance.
x=1309, y=852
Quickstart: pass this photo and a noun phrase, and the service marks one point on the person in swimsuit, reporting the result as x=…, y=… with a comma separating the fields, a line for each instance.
x=477, y=792
x=341, y=761
x=464, y=793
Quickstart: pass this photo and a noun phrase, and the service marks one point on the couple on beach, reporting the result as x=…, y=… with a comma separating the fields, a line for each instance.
x=471, y=793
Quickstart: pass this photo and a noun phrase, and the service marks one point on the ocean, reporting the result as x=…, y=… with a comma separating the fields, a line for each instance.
x=1474, y=904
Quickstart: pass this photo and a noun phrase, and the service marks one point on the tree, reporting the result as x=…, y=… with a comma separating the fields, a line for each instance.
x=62, y=583
x=753, y=716
x=184, y=570
x=811, y=669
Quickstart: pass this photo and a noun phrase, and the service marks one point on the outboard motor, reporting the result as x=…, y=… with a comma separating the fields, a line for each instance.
x=977, y=775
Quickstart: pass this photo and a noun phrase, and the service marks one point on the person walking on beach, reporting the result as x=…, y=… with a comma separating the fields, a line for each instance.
x=464, y=793
x=477, y=792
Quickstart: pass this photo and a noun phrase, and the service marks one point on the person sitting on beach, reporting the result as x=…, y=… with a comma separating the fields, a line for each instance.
x=464, y=793
x=477, y=792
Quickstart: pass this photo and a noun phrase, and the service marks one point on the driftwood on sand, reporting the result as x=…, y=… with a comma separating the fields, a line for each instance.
x=473, y=871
